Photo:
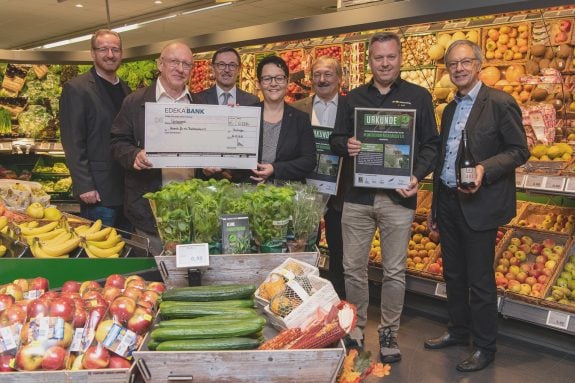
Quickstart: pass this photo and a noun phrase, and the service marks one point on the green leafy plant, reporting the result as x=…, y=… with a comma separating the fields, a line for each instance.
x=308, y=205
x=271, y=211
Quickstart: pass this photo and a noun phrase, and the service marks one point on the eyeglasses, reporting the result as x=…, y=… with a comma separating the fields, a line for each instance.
x=105, y=50
x=281, y=79
x=224, y=66
x=328, y=76
x=465, y=64
x=174, y=64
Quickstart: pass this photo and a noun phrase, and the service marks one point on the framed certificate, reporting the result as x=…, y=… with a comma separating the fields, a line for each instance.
x=387, y=139
x=199, y=136
x=326, y=173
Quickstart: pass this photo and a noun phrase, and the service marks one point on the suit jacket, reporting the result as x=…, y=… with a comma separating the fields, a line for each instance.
x=346, y=171
x=210, y=96
x=295, y=152
x=497, y=141
x=127, y=139
x=86, y=116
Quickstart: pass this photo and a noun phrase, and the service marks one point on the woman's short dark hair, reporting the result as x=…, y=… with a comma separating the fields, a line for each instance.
x=272, y=59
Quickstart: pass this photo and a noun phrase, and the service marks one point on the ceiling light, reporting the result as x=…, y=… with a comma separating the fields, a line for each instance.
x=208, y=8
x=158, y=2
x=79, y=6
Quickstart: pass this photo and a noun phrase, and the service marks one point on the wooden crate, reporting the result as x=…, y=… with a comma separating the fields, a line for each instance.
x=242, y=366
x=553, y=304
x=533, y=216
x=110, y=375
x=486, y=40
x=240, y=268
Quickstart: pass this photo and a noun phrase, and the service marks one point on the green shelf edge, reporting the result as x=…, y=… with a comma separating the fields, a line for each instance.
x=58, y=271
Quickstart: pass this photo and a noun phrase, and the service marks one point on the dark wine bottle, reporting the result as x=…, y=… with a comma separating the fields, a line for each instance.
x=466, y=167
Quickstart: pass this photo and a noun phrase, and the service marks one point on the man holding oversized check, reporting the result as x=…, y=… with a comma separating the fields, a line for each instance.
x=161, y=134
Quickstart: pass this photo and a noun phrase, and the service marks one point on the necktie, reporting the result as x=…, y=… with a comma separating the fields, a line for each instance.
x=226, y=97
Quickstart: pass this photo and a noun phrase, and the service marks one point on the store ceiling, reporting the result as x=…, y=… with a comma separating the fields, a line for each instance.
x=27, y=24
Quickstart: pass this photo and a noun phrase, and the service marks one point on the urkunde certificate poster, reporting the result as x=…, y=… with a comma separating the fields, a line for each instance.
x=199, y=136
x=386, y=157
x=326, y=173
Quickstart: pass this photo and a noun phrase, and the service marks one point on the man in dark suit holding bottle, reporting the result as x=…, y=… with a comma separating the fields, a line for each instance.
x=468, y=217
x=88, y=106
x=322, y=108
x=226, y=64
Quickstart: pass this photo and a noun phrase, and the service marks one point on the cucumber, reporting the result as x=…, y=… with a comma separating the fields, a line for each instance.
x=209, y=293
x=206, y=331
x=233, y=343
x=214, y=320
x=172, y=309
x=153, y=344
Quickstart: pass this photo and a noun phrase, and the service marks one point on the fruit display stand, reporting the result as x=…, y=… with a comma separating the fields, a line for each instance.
x=249, y=366
x=111, y=375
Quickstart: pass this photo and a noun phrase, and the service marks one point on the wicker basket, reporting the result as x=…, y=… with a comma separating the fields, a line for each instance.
x=534, y=216
x=549, y=292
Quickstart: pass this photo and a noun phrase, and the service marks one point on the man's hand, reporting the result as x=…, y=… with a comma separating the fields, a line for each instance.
x=211, y=171
x=262, y=173
x=353, y=146
x=479, y=172
x=410, y=190
x=90, y=197
x=142, y=162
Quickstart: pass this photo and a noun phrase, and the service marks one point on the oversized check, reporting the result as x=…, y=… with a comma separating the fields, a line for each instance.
x=200, y=136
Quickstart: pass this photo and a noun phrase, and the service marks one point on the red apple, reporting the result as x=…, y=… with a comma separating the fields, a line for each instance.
x=526, y=240
x=29, y=357
x=109, y=293
x=561, y=37
x=72, y=295
x=119, y=362
x=547, y=272
x=141, y=321
x=80, y=317
x=501, y=282
x=504, y=262
x=514, y=285
x=525, y=266
x=38, y=308
x=71, y=286
x=536, y=248
x=542, y=279
x=158, y=287
x=507, y=254
x=92, y=294
x=115, y=280
x=6, y=301
x=153, y=296
x=122, y=308
x=40, y=283
x=510, y=276
x=135, y=281
x=96, y=357
x=525, y=247
x=54, y=359
x=22, y=283
x=89, y=285
x=62, y=307
x=541, y=259
x=6, y=363
x=502, y=269
x=548, y=243
x=537, y=287
x=514, y=261
x=530, y=280
x=12, y=315
x=132, y=292
x=565, y=25
x=50, y=295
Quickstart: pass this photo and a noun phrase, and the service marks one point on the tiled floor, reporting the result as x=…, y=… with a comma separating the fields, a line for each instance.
x=516, y=361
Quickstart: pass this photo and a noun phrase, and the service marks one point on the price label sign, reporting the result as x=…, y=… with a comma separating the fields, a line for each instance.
x=555, y=183
x=440, y=290
x=192, y=255
x=570, y=185
x=519, y=180
x=558, y=320
x=534, y=182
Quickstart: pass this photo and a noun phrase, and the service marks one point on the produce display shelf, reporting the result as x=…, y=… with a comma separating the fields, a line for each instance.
x=542, y=316
x=112, y=375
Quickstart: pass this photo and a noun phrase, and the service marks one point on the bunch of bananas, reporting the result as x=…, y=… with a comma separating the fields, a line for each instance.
x=52, y=240
x=100, y=242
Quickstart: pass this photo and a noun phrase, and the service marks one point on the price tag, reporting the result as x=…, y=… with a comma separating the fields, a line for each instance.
x=58, y=147
x=570, y=185
x=192, y=255
x=322, y=262
x=519, y=180
x=44, y=146
x=534, y=182
x=503, y=19
x=555, y=183
x=5, y=146
x=441, y=290
x=558, y=319
x=518, y=18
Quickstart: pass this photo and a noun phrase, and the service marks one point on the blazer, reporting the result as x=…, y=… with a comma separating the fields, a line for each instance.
x=497, y=141
x=210, y=96
x=86, y=116
x=127, y=139
x=346, y=171
x=295, y=152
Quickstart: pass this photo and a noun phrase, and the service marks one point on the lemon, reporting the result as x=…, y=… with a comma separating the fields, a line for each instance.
x=35, y=210
x=52, y=213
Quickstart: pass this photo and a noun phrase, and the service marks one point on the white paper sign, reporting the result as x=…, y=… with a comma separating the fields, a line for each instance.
x=192, y=255
x=197, y=136
x=557, y=319
x=441, y=290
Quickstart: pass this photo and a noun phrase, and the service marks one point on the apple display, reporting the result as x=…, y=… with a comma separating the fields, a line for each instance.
x=62, y=307
x=96, y=357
